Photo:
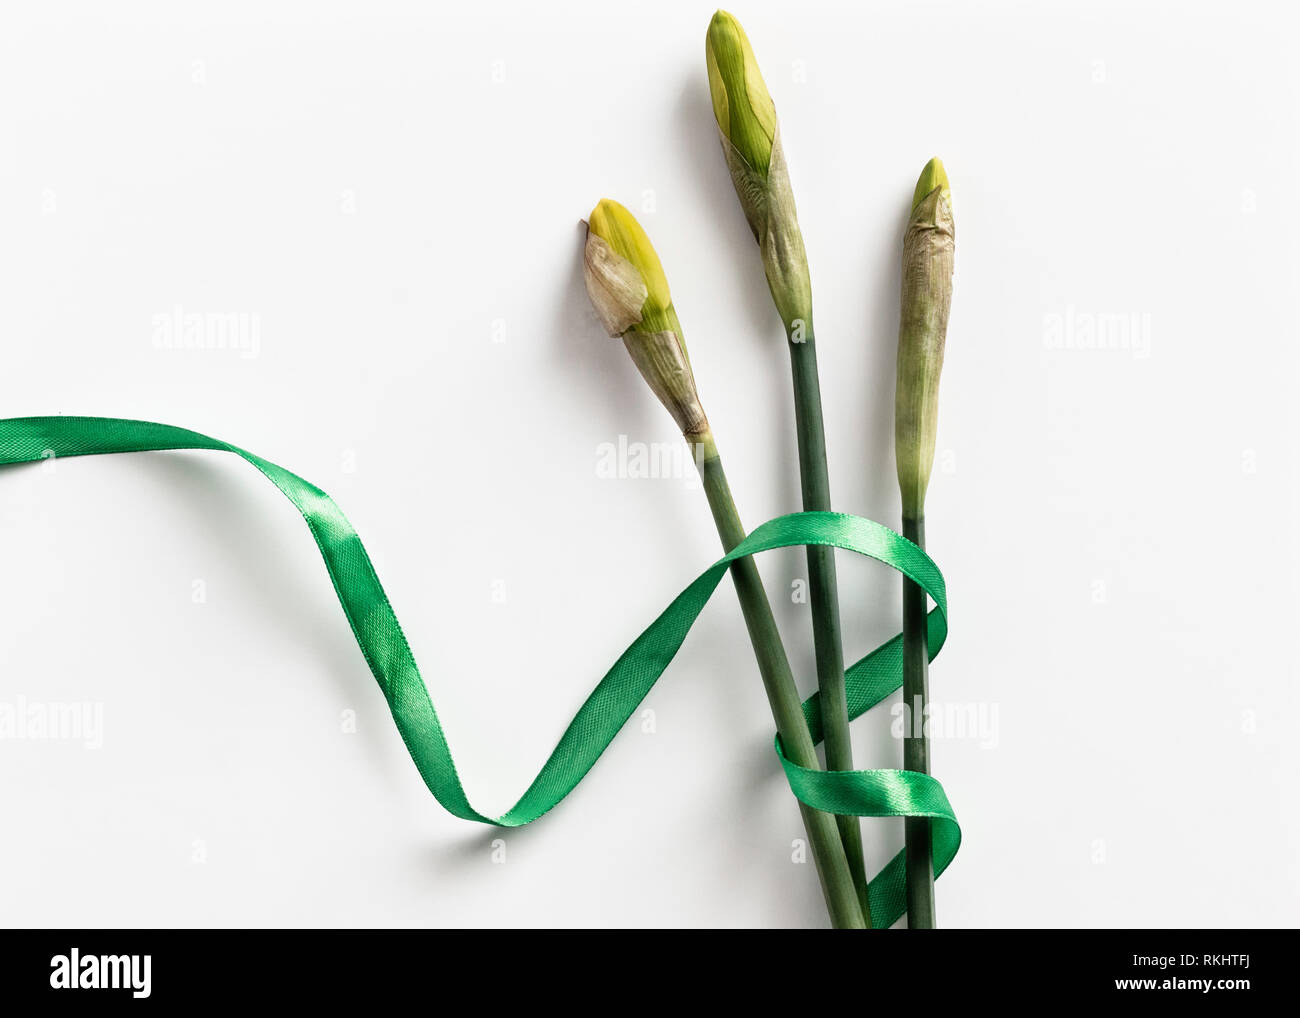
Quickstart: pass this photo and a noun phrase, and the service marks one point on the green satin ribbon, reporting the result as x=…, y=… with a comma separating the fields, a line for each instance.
x=880, y=793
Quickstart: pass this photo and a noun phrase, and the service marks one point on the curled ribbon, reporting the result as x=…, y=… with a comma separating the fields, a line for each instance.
x=876, y=793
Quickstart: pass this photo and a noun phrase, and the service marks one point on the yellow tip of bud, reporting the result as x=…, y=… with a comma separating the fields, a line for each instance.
x=741, y=103
x=931, y=177
x=618, y=228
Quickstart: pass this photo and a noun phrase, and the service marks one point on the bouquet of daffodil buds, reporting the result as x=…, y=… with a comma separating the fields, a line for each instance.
x=629, y=290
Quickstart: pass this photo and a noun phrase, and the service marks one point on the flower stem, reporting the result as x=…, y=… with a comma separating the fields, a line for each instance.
x=916, y=743
x=824, y=595
x=778, y=680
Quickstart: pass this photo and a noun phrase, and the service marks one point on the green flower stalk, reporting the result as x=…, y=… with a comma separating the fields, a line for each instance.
x=923, y=329
x=629, y=291
x=751, y=145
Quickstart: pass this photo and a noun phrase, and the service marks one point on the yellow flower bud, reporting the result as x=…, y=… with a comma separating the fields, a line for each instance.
x=741, y=103
x=628, y=289
x=618, y=228
x=751, y=145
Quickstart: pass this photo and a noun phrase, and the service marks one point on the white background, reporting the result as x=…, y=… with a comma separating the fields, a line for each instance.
x=393, y=191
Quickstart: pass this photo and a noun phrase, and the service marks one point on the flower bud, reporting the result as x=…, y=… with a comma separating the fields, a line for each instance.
x=751, y=145
x=923, y=329
x=628, y=289
x=932, y=176
x=741, y=103
x=625, y=279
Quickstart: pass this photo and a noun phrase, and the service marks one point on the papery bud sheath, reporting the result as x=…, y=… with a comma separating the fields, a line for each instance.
x=923, y=328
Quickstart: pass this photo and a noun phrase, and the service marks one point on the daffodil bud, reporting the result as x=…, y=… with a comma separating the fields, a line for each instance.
x=628, y=289
x=751, y=145
x=741, y=103
x=923, y=328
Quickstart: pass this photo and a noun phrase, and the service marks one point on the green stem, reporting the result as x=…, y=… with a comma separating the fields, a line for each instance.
x=824, y=595
x=783, y=696
x=916, y=743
